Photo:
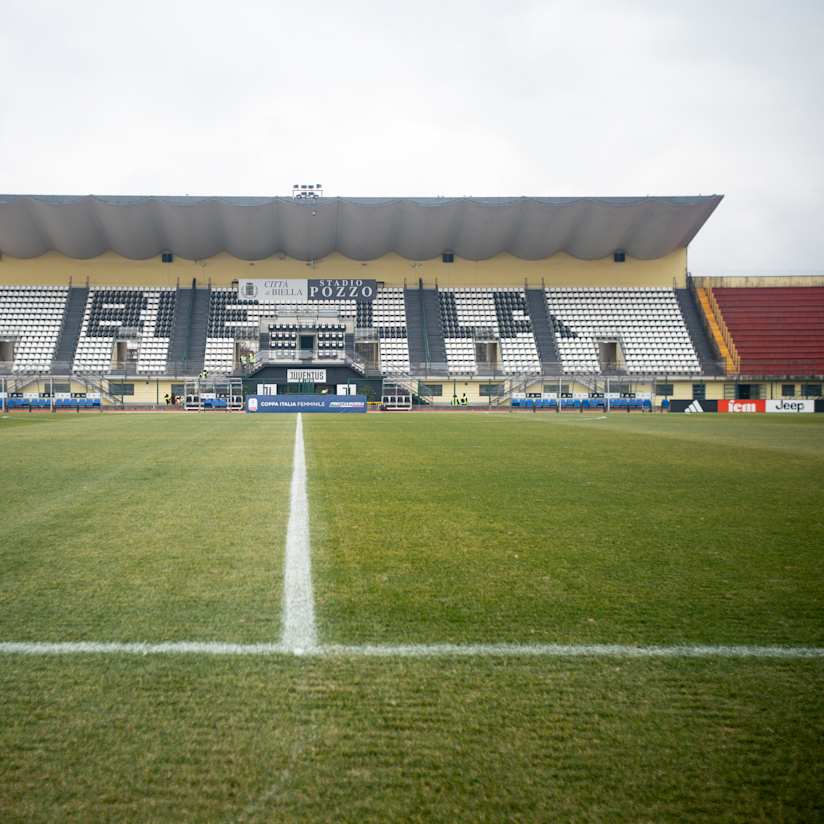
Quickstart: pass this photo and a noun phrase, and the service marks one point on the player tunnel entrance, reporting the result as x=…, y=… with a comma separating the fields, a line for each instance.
x=6, y=350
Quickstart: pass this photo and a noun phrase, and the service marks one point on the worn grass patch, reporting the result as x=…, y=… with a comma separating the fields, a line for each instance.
x=569, y=529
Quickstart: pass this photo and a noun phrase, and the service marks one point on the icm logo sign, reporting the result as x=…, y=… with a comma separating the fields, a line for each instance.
x=791, y=407
x=741, y=406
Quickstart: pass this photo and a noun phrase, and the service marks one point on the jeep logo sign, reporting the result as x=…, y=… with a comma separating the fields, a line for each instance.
x=792, y=407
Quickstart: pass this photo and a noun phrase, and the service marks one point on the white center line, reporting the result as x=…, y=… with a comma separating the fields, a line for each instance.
x=299, y=633
x=409, y=650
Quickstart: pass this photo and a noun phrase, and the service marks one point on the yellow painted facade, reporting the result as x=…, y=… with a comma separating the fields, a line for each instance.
x=741, y=282
x=502, y=270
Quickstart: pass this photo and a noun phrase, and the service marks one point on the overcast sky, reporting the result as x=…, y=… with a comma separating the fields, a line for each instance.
x=432, y=98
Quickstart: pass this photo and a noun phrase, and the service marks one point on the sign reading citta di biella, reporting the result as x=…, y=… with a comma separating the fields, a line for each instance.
x=306, y=290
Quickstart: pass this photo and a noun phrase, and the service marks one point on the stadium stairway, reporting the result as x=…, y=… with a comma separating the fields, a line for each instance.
x=541, y=330
x=431, y=309
x=416, y=335
x=70, y=332
x=720, y=337
x=197, y=330
x=708, y=357
x=424, y=331
x=179, y=343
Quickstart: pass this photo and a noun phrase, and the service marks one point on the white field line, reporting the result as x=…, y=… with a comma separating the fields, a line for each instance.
x=299, y=633
x=409, y=650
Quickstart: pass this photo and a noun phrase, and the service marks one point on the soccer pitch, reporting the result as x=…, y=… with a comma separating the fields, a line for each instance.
x=514, y=616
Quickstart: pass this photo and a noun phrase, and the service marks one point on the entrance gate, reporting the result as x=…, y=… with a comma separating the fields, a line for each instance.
x=206, y=394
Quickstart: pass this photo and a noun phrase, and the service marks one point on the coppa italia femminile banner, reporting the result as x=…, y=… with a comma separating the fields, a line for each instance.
x=742, y=406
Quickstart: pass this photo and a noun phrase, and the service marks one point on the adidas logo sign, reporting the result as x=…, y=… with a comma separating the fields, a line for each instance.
x=694, y=408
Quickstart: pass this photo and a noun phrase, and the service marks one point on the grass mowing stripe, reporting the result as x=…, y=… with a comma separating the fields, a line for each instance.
x=147, y=528
x=299, y=631
x=488, y=529
x=281, y=738
x=410, y=650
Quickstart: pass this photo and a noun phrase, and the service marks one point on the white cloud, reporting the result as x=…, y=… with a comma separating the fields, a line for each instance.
x=453, y=98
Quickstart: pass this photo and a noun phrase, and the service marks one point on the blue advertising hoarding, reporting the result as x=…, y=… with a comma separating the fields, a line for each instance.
x=306, y=403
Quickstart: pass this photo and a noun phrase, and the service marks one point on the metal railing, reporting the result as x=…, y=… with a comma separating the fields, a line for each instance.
x=805, y=369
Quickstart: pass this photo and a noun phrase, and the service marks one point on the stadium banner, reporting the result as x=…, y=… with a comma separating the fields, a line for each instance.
x=742, y=406
x=342, y=289
x=693, y=406
x=306, y=376
x=306, y=403
x=790, y=406
x=303, y=290
x=292, y=290
x=819, y=405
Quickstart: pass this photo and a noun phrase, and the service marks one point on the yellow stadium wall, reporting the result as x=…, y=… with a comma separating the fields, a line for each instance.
x=762, y=282
x=502, y=270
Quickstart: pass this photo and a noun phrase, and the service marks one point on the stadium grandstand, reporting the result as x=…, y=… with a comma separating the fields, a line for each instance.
x=551, y=302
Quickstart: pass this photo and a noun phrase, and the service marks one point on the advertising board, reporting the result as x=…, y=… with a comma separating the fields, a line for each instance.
x=305, y=290
x=741, y=406
x=791, y=406
x=306, y=403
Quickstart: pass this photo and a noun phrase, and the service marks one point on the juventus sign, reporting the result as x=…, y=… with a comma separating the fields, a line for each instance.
x=306, y=376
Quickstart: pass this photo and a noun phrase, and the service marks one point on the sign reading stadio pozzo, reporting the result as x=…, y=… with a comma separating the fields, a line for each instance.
x=306, y=403
x=306, y=290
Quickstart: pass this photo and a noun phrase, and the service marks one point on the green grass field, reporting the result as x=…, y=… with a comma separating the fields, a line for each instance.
x=426, y=529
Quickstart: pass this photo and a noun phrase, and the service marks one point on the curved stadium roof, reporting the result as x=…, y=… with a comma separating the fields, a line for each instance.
x=362, y=228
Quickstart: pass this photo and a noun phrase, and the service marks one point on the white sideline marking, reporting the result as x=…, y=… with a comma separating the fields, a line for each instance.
x=299, y=634
x=568, y=650
x=409, y=650
x=137, y=648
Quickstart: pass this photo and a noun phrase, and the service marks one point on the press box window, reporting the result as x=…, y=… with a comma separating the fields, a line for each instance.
x=699, y=391
x=663, y=389
x=553, y=387
x=121, y=389
x=431, y=390
x=491, y=390
x=787, y=390
x=811, y=390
